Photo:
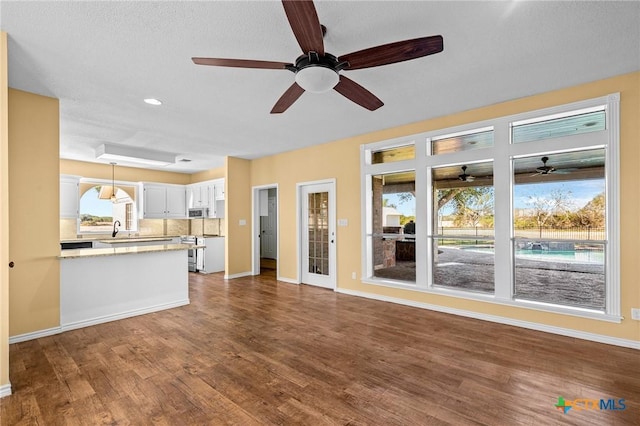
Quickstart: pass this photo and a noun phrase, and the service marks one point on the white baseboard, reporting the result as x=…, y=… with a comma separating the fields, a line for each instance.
x=600, y=338
x=5, y=390
x=114, y=317
x=239, y=275
x=95, y=321
x=288, y=280
x=34, y=335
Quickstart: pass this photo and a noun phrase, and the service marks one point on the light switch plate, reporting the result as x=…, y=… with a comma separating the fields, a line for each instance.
x=343, y=222
x=242, y=222
x=635, y=314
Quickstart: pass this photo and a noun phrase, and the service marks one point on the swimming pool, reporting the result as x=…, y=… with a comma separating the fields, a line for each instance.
x=571, y=256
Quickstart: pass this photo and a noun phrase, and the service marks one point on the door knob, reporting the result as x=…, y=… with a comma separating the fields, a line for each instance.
x=11, y=264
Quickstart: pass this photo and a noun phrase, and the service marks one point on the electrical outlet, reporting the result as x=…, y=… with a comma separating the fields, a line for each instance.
x=635, y=314
x=353, y=275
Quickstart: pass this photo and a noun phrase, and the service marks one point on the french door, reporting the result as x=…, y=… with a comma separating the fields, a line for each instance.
x=318, y=236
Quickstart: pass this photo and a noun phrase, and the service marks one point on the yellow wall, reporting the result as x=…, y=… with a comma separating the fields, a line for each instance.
x=122, y=173
x=4, y=215
x=217, y=173
x=340, y=160
x=237, y=208
x=34, y=210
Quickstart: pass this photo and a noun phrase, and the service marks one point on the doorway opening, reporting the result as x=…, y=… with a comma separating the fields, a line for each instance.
x=265, y=220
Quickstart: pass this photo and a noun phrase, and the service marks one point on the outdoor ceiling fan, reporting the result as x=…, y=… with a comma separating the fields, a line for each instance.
x=318, y=71
x=464, y=176
x=544, y=169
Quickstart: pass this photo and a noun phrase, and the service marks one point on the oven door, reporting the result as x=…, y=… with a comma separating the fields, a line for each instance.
x=191, y=259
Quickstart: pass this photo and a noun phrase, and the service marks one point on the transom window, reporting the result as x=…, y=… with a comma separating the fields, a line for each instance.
x=519, y=209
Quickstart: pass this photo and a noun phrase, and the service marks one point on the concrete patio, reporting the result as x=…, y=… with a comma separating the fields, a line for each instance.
x=566, y=283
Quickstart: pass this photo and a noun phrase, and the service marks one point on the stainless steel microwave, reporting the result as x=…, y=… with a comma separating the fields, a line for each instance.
x=198, y=212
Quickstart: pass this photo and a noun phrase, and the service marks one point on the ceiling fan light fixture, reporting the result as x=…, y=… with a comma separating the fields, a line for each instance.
x=317, y=79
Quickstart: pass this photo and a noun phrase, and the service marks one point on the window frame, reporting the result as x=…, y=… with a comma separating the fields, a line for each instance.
x=501, y=153
x=99, y=182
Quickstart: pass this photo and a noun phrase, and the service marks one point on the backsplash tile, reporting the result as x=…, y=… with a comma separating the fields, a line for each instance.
x=206, y=227
x=146, y=228
x=177, y=227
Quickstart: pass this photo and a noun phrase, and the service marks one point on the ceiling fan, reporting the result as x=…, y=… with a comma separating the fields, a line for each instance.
x=318, y=71
x=544, y=169
x=464, y=176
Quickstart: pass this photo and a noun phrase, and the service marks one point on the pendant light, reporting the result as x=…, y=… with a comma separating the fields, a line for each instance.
x=113, y=182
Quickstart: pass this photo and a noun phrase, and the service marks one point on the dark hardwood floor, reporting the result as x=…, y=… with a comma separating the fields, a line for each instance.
x=257, y=351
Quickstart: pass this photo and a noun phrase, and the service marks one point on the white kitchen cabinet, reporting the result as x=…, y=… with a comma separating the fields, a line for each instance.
x=176, y=202
x=213, y=255
x=216, y=201
x=161, y=201
x=198, y=195
x=219, y=189
x=209, y=194
x=69, y=196
x=216, y=207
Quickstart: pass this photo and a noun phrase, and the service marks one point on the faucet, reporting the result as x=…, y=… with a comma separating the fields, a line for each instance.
x=115, y=229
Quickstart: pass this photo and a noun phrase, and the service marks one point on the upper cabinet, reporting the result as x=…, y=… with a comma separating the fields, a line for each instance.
x=216, y=203
x=209, y=194
x=219, y=188
x=162, y=201
x=198, y=195
x=69, y=196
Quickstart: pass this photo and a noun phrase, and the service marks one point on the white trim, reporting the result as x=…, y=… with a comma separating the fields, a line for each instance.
x=502, y=154
x=333, y=248
x=5, y=390
x=95, y=321
x=495, y=299
x=238, y=275
x=612, y=262
x=600, y=338
x=255, y=227
x=122, y=315
x=34, y=335
x=288, y=280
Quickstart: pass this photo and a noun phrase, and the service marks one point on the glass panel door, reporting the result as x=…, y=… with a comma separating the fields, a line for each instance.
x=318, y=235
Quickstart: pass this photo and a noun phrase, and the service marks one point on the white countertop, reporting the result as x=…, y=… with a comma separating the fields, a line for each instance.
x=91, y=252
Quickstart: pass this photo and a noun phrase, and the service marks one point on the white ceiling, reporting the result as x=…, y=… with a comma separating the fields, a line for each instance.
x=102, y=58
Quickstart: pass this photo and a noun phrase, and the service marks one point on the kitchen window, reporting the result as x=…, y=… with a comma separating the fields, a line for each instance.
x=98, y=211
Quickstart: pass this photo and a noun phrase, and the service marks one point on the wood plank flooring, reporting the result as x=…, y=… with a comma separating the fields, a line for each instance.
x=255, y=351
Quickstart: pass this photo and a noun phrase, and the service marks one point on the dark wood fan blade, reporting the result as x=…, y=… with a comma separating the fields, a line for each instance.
x=358, y=94
x=394, y=52
x=287, y=99
x=241, y=63
x=305, y=24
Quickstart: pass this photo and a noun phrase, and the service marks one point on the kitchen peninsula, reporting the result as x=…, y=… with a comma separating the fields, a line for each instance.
x=106, y=284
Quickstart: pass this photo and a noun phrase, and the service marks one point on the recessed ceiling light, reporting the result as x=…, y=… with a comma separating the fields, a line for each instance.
x=153, y=101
